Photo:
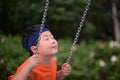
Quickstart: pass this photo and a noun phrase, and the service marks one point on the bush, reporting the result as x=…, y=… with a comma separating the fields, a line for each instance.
x=91, y=61
x=95, y=60
x=11, y=55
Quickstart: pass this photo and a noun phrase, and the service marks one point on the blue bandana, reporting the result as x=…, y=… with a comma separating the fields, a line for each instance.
x=34, y=37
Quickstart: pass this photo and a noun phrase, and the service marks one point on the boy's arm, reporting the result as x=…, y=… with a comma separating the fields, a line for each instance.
x=31, y=63
x=22, y=75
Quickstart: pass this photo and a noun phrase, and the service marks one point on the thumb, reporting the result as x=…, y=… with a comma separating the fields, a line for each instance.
x=64, y=65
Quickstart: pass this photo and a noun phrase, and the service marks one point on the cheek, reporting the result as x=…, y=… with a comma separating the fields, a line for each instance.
x=44, y=48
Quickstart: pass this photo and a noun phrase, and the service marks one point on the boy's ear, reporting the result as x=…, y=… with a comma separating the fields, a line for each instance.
x=33, y=49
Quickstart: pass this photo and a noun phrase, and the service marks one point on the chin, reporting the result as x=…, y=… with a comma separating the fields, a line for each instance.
x=52, y=54
x=55, y=52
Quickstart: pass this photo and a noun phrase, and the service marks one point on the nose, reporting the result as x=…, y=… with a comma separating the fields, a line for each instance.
x=53, y=41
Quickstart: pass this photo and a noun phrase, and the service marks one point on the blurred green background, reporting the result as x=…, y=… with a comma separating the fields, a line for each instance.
x=97, y=53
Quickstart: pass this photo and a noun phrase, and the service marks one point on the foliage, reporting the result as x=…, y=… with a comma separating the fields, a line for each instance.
x=16, y=15
x=91, y=61
x=11, y=55
x=94, y=60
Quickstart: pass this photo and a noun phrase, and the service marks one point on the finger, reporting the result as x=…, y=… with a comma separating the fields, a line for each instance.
x=33, y=56
x=38, y=61
x=67, y=66
x=67, y=70
x=64, y=65
x=36, y=56
x=66, y=73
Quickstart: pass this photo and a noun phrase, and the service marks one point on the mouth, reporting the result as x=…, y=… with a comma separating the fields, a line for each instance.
x=54, y=47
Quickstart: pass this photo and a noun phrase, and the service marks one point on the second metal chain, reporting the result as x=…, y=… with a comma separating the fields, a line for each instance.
x=79, y=30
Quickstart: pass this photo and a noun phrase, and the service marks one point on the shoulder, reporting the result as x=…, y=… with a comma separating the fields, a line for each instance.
x=21, y=66
x=53, y=60
x=18, y=70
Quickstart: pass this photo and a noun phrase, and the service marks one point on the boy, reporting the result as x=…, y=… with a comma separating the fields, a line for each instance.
x=40, y=66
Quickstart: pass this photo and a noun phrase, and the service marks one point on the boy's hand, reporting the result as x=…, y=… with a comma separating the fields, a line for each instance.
x=33, y=61
x=66, y=69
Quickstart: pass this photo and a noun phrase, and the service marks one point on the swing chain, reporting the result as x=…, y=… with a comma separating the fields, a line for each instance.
x=42, y=24
x=79, y=30
x=41, y=27
x=45, y=13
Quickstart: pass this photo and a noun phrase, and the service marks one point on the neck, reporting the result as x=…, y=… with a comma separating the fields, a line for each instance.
x=45, y=61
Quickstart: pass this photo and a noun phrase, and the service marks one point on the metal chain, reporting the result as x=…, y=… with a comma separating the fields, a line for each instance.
x=77, y=34
x=42, y=24
x=41, y=27
x=79, y=30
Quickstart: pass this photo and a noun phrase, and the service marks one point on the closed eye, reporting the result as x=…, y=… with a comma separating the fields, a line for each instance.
x=45, y=38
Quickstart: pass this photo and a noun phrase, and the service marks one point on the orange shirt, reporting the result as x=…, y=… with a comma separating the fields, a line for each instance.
x=41, y=72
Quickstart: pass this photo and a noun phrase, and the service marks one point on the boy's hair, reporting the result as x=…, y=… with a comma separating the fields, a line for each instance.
x=27, y=35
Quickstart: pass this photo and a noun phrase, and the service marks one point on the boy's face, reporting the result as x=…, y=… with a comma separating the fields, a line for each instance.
x=48, y=45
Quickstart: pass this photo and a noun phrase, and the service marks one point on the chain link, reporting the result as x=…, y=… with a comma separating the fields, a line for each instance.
x=79, y=30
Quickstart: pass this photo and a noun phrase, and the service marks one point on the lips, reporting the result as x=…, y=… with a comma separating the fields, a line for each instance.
x=54, y=47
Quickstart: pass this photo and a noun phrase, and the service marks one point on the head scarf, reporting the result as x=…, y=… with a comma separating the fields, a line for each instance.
x=34, y=37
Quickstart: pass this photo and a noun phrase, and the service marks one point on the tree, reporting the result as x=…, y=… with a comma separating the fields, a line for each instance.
x=116, y=23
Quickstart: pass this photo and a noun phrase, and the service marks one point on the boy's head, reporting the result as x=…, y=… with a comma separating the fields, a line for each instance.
x=47, y=44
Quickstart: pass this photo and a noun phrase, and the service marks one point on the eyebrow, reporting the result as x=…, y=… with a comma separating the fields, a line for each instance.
x=44, y=36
